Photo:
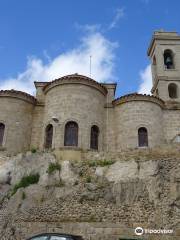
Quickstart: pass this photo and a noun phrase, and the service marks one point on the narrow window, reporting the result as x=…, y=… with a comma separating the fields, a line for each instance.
x=94, y=137
x=48, y=136
x=71, y=134
x=173, y=91
x=154, y=60
x=143, y=137
x=2, y=128
x=168, y=59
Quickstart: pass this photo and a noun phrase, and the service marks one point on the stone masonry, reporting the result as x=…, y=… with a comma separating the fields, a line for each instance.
x=82, y=100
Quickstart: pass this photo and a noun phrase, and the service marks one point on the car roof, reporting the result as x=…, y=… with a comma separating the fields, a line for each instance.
x=56, y=234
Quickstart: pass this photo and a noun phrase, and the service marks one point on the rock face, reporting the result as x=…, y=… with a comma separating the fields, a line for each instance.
x=67, y=175
x=122, y=171
x=97, y=199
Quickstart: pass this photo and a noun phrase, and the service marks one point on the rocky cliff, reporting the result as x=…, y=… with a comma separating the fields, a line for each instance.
x=101, y=196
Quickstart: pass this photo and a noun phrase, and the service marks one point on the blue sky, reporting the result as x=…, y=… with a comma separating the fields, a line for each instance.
x=44, y=39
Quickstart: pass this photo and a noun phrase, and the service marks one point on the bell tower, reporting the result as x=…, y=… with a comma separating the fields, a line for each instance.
x=164, y=52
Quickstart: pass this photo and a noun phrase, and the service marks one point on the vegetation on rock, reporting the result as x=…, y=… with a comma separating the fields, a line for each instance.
x=101, y=163
x=33, y=150
x=88, y=179
x=26, y=181
x=53, y=167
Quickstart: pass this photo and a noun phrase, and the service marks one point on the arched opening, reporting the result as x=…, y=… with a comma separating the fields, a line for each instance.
x=48, y=136
x=94, y=137
x=142, y=137
x=173, y=90
x=2, y=129
x=71, y=134
x=168, y=59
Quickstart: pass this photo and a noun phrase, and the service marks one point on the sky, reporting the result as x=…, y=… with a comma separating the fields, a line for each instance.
x=41, y=40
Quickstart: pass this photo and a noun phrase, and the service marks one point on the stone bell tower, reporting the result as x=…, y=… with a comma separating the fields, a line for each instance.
x=164, y=52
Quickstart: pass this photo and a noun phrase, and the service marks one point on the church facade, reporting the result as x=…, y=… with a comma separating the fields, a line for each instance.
x=76, y=112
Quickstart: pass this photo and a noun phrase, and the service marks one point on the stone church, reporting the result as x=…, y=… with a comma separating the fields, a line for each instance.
x=76, y=112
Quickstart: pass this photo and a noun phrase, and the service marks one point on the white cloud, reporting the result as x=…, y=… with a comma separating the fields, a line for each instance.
x=88, y=28
x=119, y=14
x=146, y=80
x=73, y=61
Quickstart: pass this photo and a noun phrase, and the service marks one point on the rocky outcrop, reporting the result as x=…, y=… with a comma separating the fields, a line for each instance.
x=130, y=189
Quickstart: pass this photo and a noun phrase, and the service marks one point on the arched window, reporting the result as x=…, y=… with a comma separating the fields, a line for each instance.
x=142, y=137
x=2, y=128
x=71, y=134
x=168, y=59
x=173, y=90
x=94, y=137
x=48, y=136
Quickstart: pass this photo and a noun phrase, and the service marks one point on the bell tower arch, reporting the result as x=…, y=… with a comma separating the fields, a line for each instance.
x=164, y=52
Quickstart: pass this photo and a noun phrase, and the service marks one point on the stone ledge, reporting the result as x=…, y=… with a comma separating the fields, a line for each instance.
x=68, y=153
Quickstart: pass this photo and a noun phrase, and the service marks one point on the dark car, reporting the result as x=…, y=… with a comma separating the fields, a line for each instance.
x=55, y=236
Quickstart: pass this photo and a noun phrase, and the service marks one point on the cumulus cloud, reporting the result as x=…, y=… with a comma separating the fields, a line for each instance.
x=146, y=80
x=75, y=60
x=119, y=14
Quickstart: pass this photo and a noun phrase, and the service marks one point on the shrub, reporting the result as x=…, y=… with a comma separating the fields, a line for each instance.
x=53, y=167
x=88, y=179
x=101, y=163
x=26, y=181
x=106, y=163
x=33, y=150
x=92, y=164
x=81, y=173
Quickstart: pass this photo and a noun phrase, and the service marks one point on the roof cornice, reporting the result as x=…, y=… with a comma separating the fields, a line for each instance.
x=162, y=36
x=75, y=79
x=138, y=97
x=18, y=94
x=40, y=84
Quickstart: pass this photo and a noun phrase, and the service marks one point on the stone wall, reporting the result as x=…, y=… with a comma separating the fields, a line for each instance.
x=130, y=116
x=110, y=134
x=75, y=102
x=171, y=120
x=37, y=133
x=162, y=77
x=87, y=102
x=16, y=114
